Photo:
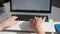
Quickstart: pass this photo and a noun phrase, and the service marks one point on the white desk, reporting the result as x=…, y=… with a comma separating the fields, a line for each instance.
x=24, y=25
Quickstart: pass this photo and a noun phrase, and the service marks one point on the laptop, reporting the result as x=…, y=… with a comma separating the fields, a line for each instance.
x=28, y=6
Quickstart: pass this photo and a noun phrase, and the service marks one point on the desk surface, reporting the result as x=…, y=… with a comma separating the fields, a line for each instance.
x=24, y=26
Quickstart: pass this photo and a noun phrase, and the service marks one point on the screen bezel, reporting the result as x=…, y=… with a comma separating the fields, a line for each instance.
x=31, y=11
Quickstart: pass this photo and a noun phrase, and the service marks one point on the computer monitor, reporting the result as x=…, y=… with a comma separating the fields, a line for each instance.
x=33, y=6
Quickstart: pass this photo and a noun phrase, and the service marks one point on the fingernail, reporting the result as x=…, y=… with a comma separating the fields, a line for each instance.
x=35, y=17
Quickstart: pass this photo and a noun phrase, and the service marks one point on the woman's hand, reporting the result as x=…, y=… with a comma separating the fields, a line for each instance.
x=10, y=21
x=36, y=24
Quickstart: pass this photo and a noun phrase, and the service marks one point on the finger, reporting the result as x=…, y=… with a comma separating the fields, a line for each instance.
x=35, y=18
x=12, y=18
x=40, y=18
x=16, y=22
x=30, y=20
x=44, y=19
x=13, y=23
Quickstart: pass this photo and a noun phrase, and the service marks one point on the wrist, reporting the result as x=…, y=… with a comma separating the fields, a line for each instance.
x=1, y=28
x=3, y=25
x=39, y=30
x=38, y=26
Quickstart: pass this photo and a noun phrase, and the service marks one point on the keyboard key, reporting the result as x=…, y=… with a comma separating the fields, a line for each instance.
x=27, y=17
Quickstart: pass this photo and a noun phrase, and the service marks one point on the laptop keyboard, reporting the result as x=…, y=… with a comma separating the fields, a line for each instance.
x=27, y=17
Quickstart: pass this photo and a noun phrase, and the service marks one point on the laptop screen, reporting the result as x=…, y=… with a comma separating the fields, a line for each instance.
x=31, y=5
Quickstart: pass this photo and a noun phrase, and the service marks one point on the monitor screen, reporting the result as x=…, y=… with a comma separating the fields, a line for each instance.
x=38, y=6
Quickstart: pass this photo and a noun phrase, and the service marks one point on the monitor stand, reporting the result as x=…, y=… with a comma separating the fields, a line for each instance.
x=27, y=17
